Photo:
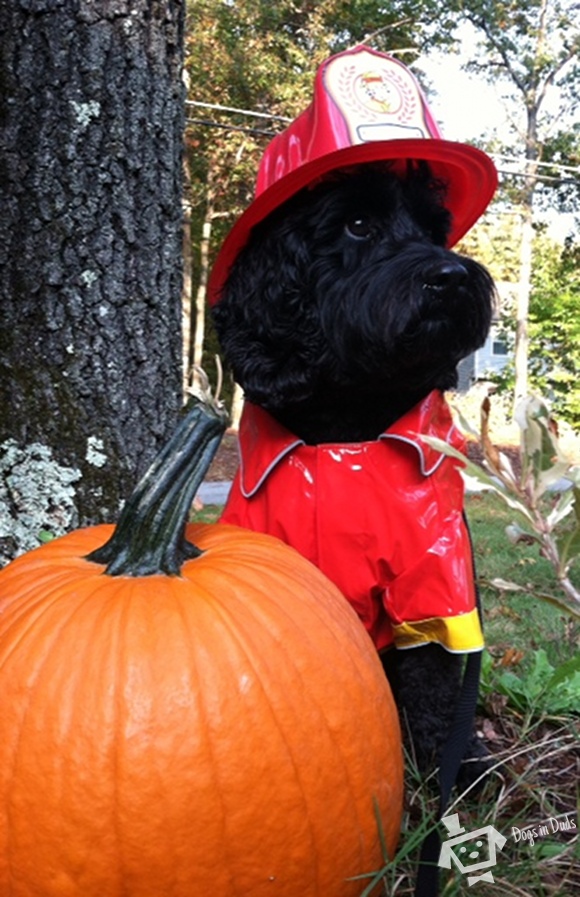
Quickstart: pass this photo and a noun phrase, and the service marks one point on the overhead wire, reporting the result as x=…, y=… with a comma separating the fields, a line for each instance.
x=261, y=132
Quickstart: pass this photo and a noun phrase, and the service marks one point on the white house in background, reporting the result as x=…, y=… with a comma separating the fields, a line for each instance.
x=491, y=358
x=494, y=354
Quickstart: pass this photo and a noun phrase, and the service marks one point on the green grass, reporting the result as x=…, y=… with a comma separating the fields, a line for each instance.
x=517, y=620
x=207, y=514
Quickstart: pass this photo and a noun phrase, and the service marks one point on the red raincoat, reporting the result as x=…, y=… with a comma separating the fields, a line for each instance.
x=383, y=520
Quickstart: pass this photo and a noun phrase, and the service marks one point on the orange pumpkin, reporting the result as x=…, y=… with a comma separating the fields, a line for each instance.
x=225, y=730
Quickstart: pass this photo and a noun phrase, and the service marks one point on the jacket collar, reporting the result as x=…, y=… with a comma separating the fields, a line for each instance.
x=264, y=442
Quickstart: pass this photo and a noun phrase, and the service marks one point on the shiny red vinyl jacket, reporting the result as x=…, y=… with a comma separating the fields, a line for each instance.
x=382, y=519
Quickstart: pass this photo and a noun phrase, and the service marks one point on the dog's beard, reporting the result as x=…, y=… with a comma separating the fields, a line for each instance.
x=317, y=322
x=410, y=323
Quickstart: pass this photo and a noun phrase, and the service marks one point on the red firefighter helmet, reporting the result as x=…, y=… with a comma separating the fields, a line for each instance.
x=367, y=107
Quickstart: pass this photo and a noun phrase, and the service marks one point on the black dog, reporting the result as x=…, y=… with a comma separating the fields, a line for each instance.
x=344, y=311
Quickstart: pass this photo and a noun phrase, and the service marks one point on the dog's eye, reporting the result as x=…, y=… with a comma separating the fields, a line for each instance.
x=359, y=227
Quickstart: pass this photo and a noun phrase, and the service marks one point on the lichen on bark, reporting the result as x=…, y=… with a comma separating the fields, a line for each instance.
x=37, y=498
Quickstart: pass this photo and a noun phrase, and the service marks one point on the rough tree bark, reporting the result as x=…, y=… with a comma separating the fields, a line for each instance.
x=91, y=125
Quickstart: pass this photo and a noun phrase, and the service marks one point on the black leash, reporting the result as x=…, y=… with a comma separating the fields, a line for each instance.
x=427, y=884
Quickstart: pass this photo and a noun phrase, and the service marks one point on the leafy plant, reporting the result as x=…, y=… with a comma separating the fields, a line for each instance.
x=541, y=690
x=544, y=495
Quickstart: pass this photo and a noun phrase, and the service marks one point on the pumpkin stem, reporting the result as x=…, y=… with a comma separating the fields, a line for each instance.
x=150, y=535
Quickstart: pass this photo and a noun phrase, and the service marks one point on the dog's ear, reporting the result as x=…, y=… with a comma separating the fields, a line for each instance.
x=264, y=320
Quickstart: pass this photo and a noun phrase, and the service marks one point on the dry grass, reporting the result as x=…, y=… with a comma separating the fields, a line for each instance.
x=535, y=779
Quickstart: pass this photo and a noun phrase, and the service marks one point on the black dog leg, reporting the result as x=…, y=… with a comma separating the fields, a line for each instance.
x=426, y=682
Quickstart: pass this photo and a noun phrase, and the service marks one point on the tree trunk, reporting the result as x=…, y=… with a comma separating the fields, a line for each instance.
x=187, y=286
x=523, y=306
x=201, y=297
x=526, y=255
x=91, y=111
x=237, y=406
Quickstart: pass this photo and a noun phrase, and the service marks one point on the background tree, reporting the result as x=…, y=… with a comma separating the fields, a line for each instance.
x=555, y=328
x=91, y=108
x=531, y=48
x=554, y=323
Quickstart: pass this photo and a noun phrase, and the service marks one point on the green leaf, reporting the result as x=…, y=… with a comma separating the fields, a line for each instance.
x=558, y=603
x=466, y=427
x=516, y=534
x=569, y=542
x=541, y=671
x=485, y=480
x=45, y=536
x=566, y=672
x=505, y=586
x=543, y=463
x=549, y=850
x=562, y=508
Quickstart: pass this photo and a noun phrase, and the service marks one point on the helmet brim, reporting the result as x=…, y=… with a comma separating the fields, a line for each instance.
x=469, y=175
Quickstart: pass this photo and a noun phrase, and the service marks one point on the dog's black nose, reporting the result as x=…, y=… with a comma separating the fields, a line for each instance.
x=444, y=275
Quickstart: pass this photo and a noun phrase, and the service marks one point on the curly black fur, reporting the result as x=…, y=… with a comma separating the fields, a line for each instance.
x=342, y=312
x=338, y=334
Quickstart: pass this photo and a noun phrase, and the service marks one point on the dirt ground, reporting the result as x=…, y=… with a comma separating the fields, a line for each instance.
x=224, y=465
